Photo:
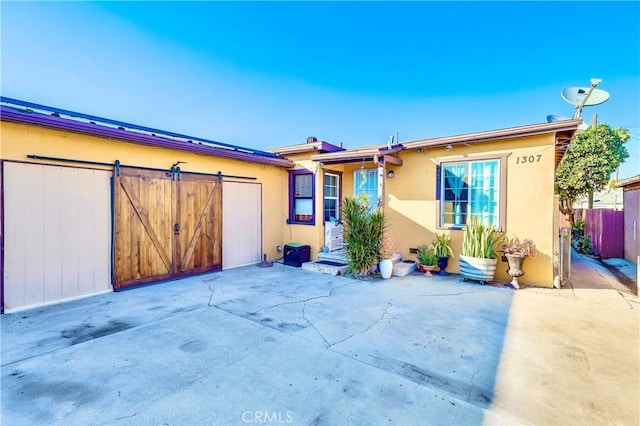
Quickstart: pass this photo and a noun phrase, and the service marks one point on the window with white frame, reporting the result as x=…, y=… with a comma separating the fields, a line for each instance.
x=331, y=196
x=470, y=189
x=365, y=181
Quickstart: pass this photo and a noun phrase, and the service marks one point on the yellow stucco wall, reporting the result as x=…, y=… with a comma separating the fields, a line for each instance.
x=410, y=196
x=307, y=234
x=411, y=200
x=19, y=140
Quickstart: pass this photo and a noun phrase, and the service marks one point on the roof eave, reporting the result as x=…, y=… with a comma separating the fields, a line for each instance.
x=628, y=181
x=487, y=136
x=11, y=114
x=321, y=146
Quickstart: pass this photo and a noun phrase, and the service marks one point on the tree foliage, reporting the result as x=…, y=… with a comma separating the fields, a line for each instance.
x=588, y=163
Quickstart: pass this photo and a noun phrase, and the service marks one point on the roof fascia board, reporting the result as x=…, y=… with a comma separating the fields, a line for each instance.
x=628, y=181
x=513, y=132
x=25, y=104
x=10, y=114
x=346, y=155
x=306, y=147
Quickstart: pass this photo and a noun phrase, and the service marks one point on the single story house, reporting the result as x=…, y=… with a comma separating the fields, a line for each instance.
x=429, y=186
x=92, y=205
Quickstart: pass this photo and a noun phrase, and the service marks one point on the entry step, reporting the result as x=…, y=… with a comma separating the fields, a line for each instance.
x=402, y=268
x=325, y=267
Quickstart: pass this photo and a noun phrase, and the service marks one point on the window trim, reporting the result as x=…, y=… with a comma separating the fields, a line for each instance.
x=502, y=185
x=292, y=176
x=339, y=198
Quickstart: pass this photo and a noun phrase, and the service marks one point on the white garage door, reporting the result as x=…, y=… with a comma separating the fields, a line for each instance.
x=57, y=234
x=241, y=224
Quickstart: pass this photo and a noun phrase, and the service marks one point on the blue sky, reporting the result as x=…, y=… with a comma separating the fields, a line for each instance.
x=269, y=74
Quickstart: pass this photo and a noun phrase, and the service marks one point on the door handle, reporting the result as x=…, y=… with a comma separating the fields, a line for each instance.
x=176, y=228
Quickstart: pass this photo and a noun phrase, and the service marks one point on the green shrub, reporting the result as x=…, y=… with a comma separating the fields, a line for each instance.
x=363, y=234
x=426, y=256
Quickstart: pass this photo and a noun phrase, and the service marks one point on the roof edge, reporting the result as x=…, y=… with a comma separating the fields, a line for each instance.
x=306, y=147
x=628, y=181
x=15, y=115
x=510, y=132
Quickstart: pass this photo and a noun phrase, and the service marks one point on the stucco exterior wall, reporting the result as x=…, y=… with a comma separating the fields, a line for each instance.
x=302, y=233
x=20, y=140
x=412, y=211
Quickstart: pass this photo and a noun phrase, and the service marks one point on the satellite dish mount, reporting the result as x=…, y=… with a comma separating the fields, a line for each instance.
x=584, y=96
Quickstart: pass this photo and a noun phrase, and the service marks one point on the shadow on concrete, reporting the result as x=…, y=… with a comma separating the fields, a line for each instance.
x=206, y=350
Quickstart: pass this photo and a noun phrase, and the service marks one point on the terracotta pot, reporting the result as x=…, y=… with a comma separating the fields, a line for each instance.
x=425, y=269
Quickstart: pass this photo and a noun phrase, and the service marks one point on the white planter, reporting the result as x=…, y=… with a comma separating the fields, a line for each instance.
x=477, y=268
x=386, y=268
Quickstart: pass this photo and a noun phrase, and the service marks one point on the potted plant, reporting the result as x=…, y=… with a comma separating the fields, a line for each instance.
x=477, y=260
x=427, y=260
x=441, y=247
x=516, y=252
x=387, y=251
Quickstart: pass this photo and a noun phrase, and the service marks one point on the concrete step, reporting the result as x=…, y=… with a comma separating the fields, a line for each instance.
x=400, y=269
x=325, y=267
x=338, y=256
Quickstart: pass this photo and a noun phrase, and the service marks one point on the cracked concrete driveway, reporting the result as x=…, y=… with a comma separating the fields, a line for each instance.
x=255, y=346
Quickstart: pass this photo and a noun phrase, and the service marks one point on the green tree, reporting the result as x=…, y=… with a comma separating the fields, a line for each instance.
x=588, y=164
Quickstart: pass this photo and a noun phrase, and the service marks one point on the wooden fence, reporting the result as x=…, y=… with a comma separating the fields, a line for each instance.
x=606, y=229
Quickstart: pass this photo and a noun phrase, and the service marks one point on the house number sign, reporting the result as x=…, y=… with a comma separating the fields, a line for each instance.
x=528, y=159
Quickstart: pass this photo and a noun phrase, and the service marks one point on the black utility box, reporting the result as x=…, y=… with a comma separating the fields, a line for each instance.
x=296, y=254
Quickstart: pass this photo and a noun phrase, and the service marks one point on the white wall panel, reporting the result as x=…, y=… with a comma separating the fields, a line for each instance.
x=57, y=233
x=241, y=224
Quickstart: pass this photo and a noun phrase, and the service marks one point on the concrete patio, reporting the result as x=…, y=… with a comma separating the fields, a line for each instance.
x=287, y=346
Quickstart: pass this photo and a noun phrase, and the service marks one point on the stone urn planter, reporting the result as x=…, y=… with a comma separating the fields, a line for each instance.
x=516, y=252
x=515, y=268
x=478, y=268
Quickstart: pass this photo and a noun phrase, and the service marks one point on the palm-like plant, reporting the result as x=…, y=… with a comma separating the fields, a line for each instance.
x=480, y=240
x=441, y=246
x=364, y=231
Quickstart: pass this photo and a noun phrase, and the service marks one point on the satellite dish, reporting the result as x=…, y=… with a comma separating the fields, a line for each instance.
x=553, y=118
x=575, y=95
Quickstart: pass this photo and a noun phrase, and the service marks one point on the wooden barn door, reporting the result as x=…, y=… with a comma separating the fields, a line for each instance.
x=143, y=222
x=166, y=225
x=199, y=231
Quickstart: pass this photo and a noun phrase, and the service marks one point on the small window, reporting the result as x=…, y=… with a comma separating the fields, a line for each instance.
x=365, y=181
x=470, y=189
x=301, y=197
x=331, y=196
